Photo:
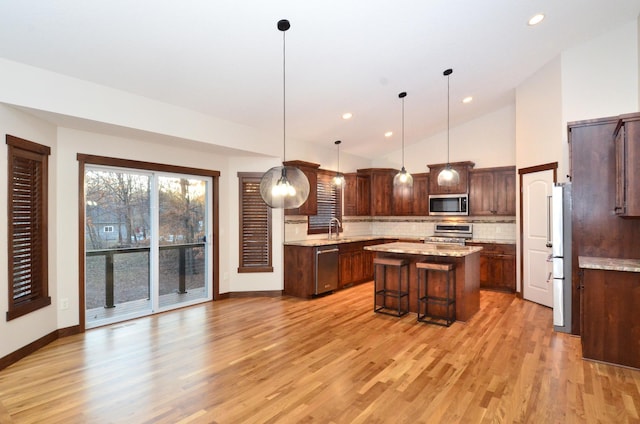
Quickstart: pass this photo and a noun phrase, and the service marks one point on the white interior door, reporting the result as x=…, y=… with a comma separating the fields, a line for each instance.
x=537, y=278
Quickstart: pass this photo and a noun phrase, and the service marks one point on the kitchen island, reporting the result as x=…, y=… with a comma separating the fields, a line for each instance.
x=465, y=258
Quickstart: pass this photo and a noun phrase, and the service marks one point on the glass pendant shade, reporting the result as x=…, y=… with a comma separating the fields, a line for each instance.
x=448, y=177
x=284, y=187
x=403, y=178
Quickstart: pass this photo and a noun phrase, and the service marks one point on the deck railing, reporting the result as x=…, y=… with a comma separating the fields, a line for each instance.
x=109, y=255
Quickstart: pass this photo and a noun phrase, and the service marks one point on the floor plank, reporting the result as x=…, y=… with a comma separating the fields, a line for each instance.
x=328, y=360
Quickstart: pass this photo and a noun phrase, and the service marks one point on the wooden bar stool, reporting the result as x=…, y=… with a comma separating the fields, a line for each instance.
x=400, y=293
x=446, y=301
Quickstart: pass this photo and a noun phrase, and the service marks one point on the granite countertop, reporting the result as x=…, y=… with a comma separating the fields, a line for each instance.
x=339, y=240
x=427, y=249
x=609, y=264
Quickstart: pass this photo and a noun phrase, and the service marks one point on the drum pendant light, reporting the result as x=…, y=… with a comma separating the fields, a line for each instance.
x=284, y=187
x=338, y=180
x=448, y=176
x=403, y=178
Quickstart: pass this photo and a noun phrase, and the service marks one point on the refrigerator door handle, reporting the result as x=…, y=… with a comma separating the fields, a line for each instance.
x=549, y=244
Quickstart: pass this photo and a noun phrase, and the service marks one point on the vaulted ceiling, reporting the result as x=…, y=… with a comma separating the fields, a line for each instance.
x=225, y=57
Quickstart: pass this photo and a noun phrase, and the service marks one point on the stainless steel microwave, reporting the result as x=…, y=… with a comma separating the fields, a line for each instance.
x=449, y=204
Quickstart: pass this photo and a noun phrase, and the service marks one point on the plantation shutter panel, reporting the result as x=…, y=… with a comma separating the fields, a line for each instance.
x=28, y=289
x=255, y=226
x=329, y=203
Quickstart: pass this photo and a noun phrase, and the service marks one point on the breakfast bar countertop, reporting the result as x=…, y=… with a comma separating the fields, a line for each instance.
x=426, y=249
x=609, y=264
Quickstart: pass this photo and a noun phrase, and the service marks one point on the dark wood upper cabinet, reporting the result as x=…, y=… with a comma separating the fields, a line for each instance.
x=627, y=152
x=402, y=200
x=492, y=191
x=357, y=195
x=420, y=205
x=462, y=187
x=310, y=206
x=380, y=189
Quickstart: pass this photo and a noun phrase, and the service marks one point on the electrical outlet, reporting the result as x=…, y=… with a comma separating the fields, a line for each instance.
x=64, y=303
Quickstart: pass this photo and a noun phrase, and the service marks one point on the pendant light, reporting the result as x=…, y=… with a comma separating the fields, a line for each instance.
x=448, y=176
x=284, y=187
x=403, y=178
x=338, y=180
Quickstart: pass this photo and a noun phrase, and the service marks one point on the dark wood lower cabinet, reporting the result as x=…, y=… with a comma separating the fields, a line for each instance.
x=497, y=266
x=356, y=264
x=611, y=317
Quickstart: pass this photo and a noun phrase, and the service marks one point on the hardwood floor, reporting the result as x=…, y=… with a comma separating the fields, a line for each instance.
x=329, y=360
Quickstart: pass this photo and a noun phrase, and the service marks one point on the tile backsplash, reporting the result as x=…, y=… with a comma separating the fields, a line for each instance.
x=484, y=228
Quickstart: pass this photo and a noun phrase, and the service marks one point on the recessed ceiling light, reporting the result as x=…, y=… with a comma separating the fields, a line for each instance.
x=347, y=115
x=467, y=99
x=388, y=134
x=536, y=19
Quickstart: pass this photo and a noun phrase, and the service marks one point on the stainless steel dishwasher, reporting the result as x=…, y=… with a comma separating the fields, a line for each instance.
x=326, y=269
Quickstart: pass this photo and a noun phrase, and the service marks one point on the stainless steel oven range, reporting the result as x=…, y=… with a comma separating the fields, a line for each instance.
x=451, y=233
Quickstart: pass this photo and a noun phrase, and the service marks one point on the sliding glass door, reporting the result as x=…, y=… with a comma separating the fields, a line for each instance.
x=146, y=244
x=182, y=218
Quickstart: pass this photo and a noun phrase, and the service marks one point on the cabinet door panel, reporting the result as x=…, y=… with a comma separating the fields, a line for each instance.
x=505, y=193
x=420, y=195
x=481, y=193
x=345, y=265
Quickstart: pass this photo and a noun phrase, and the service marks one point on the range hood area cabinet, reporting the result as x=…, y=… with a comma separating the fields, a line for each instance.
x=627, y=152
x=370, y=192
x=492, y=191
x=310, y=206
x=462, y=187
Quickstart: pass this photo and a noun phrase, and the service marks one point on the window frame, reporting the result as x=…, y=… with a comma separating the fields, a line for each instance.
x=257, y=265
x=38, y=155
x=319, y=223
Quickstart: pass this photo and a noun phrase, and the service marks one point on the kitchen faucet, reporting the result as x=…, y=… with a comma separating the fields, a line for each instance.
x=338, y=225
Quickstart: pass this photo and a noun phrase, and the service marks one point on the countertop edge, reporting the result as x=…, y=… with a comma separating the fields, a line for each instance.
x=609, y=264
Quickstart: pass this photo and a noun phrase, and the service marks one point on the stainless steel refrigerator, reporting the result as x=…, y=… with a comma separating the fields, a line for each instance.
x=561, y=256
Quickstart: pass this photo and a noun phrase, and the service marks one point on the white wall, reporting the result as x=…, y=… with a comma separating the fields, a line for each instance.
x=35, y=88
x=488, y=141
x=539, y=117
x=600, y=77
x=21, y=331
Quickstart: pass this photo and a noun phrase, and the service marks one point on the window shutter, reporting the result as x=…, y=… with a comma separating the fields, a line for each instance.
x=329, y=203
x=255, y=226
x=27, y=234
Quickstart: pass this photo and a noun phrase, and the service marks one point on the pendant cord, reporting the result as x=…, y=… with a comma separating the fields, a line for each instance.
x=403, y=133
x=284, y=97
x=448, y=115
